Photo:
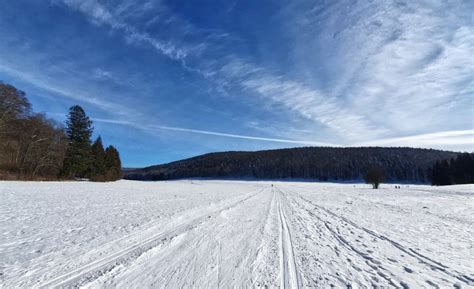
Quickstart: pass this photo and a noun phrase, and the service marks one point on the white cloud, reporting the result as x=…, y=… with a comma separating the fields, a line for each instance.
x=392, y=68
x=463, y=139
x=312, y=104
x=100, y=14
x=405, y=66
x=41, y=81
x=298, y=98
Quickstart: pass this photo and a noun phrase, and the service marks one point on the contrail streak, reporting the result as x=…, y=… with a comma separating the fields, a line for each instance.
x=213, y=133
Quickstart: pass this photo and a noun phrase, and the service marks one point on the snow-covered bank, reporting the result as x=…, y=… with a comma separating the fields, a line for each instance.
x=198, y=233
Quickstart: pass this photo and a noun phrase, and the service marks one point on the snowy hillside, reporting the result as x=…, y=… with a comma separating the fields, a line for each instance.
x=210, y=234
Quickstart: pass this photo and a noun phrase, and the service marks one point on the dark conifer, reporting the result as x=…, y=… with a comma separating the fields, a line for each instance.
x=98, y=168
x=78, y=155
x=444, y=175
x=435, y=174
x=457, y=171
x=113, y=164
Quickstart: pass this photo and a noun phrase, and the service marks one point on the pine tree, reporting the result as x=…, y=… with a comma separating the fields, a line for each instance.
x=456, y=171
x=98, y=169
x=463, y=169
x=113, y=164
x=78, y=155
x=445, y=177
x=436, y=174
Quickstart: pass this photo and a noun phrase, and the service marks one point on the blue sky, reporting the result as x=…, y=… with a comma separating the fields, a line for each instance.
x=165, y=80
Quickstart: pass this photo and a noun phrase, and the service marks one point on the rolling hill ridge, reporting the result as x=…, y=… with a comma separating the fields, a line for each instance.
x=316, y=163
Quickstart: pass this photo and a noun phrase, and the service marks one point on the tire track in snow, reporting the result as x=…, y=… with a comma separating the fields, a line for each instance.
x=97, y=268
x=427, y=261
x=289, y=274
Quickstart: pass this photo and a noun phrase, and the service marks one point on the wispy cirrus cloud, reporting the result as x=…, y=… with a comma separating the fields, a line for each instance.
x=419, y=79
x=39, y=80
x=406, y=66
x=429, y=140
x=230, y=69
x=101, y=15
x=407, y=60
x=345, y=73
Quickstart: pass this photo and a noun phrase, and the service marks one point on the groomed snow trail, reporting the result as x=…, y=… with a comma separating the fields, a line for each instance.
x=234, y=234
x=352, y=254
x=105, y=264
x=217, y=253
x=289, y=274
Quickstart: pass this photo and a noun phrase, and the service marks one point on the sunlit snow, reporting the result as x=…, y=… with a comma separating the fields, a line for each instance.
x=210, y=234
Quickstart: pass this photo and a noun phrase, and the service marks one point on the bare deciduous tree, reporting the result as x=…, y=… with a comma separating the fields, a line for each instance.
x=31, y=146
x=374, y=176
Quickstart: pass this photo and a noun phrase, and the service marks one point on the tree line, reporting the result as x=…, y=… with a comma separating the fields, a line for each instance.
x=315, y=163
x=459, y=170
x=35, y=147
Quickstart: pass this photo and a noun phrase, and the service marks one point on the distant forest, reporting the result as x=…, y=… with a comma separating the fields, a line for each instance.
x=33, y=147
x=455, y=171
x=312, y=163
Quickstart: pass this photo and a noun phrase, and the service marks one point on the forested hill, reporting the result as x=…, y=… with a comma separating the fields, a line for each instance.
x=318, y=163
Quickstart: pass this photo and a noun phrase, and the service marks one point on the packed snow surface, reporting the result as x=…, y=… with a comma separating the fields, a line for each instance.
x=234, y=234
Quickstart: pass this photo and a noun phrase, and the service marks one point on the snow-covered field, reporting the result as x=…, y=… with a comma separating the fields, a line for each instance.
x=210, y=234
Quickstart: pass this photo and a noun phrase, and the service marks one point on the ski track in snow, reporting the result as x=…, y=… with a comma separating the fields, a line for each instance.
x=289, y=273
x=335, y=224
x=98, y=267
x=432, y=264
x=234, y=234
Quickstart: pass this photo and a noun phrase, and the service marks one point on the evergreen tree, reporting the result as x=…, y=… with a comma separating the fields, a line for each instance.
x=436, y=174
x=113, y=164
x=79, y=130
x=444, y=173
x=462, y=169
x=98, y=168
x=456, y=171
